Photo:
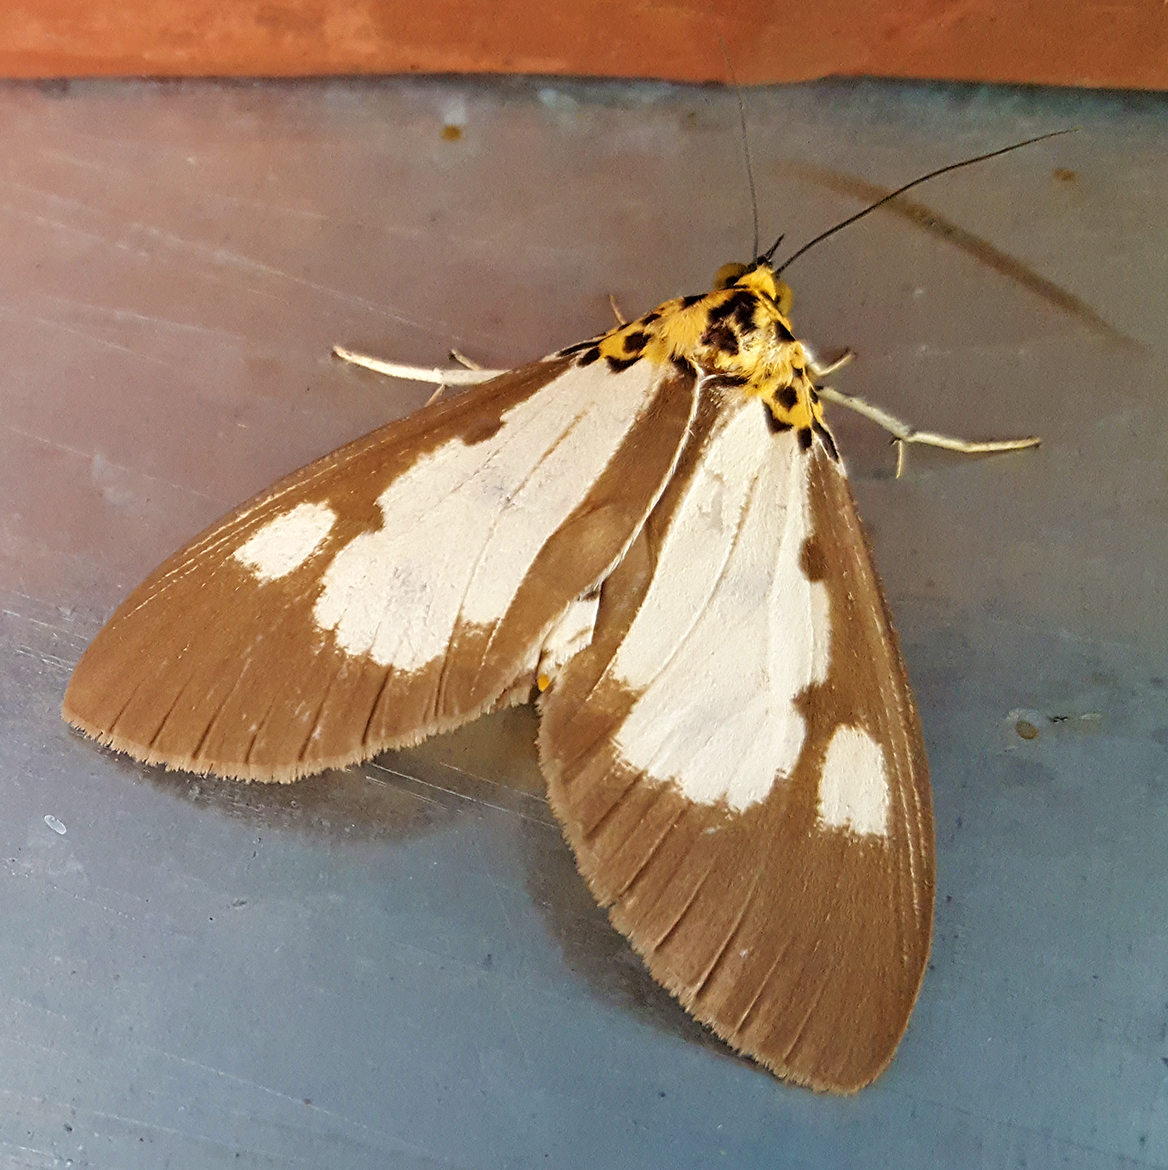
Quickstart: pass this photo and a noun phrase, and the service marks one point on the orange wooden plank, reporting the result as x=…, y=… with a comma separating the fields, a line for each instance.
x=1121, y=43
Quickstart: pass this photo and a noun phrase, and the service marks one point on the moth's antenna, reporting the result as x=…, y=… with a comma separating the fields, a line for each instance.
x=745, y=139
x=968, y=162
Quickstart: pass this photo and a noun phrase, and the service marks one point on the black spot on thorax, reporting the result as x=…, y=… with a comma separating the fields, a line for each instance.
x=618, y=365
x=635, y=341
x=825, y=438
x=722, y=338
x=776, y=425
x=739, y=305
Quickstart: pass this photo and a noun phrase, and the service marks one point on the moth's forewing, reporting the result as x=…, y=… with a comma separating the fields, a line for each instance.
x=393, y=589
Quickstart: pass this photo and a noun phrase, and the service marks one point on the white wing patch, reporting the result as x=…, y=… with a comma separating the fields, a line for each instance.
x=853, y=790
x=283, y=544
x=731, y=629
x=464, y=524
x=571, y=633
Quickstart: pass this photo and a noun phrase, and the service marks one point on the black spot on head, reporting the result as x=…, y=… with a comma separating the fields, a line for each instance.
x=686, y=302
x=804, y=438
x=588, y=356
x=721, y=338
x=617, y=365
x=635, y=342
x=825, y=438
x=649, y=318
x=788, y=397
x=782, y=332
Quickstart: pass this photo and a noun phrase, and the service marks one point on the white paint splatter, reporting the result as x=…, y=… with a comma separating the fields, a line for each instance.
x=286, y=542
x=54, y=824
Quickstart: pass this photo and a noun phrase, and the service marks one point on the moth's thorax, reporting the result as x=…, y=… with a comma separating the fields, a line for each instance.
x=737, y=336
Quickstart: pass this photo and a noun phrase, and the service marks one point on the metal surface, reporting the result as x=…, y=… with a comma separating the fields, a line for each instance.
x=398, y=966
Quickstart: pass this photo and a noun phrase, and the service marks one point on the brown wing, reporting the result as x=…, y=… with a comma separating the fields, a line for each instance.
x=798, y=935
x=305, y=630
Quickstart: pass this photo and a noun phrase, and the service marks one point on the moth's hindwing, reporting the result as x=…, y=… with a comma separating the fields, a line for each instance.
x=738, y=763
x=391, y=590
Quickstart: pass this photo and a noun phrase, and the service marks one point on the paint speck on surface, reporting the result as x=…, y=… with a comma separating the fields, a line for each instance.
x=451, y=133
x=1063, y=175
x=1026, y=729
x=54, y=824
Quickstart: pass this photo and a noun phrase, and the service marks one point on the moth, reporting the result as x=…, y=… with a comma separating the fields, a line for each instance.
x=652, y=531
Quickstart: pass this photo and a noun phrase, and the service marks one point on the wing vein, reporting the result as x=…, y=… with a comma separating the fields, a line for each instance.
x=725, y=945
x=657, y=843
x=663, y=938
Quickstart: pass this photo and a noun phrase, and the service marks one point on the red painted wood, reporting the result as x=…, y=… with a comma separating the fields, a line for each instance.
x=1120, y=43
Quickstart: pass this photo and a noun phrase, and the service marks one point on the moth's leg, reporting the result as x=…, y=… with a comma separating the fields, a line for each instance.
x=902, y=433
x=620, y=317
x=463, y=360
x=467, y=377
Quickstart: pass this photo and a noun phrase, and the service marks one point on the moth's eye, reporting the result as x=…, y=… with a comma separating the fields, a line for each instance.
x=727, y=275
x=784, y=297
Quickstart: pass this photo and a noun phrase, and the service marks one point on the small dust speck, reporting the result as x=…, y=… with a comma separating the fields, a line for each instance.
x=1026, y=729
x=451, y=133
x=1062, y=175
x=54, y=824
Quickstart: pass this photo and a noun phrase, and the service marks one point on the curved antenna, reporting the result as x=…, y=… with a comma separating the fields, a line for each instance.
x=745, y=137
x=968, y=162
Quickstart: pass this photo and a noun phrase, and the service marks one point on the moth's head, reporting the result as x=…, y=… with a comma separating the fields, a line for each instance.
x=760, y=278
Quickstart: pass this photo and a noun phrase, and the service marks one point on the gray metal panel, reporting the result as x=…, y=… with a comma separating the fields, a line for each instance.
x=398, y=966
